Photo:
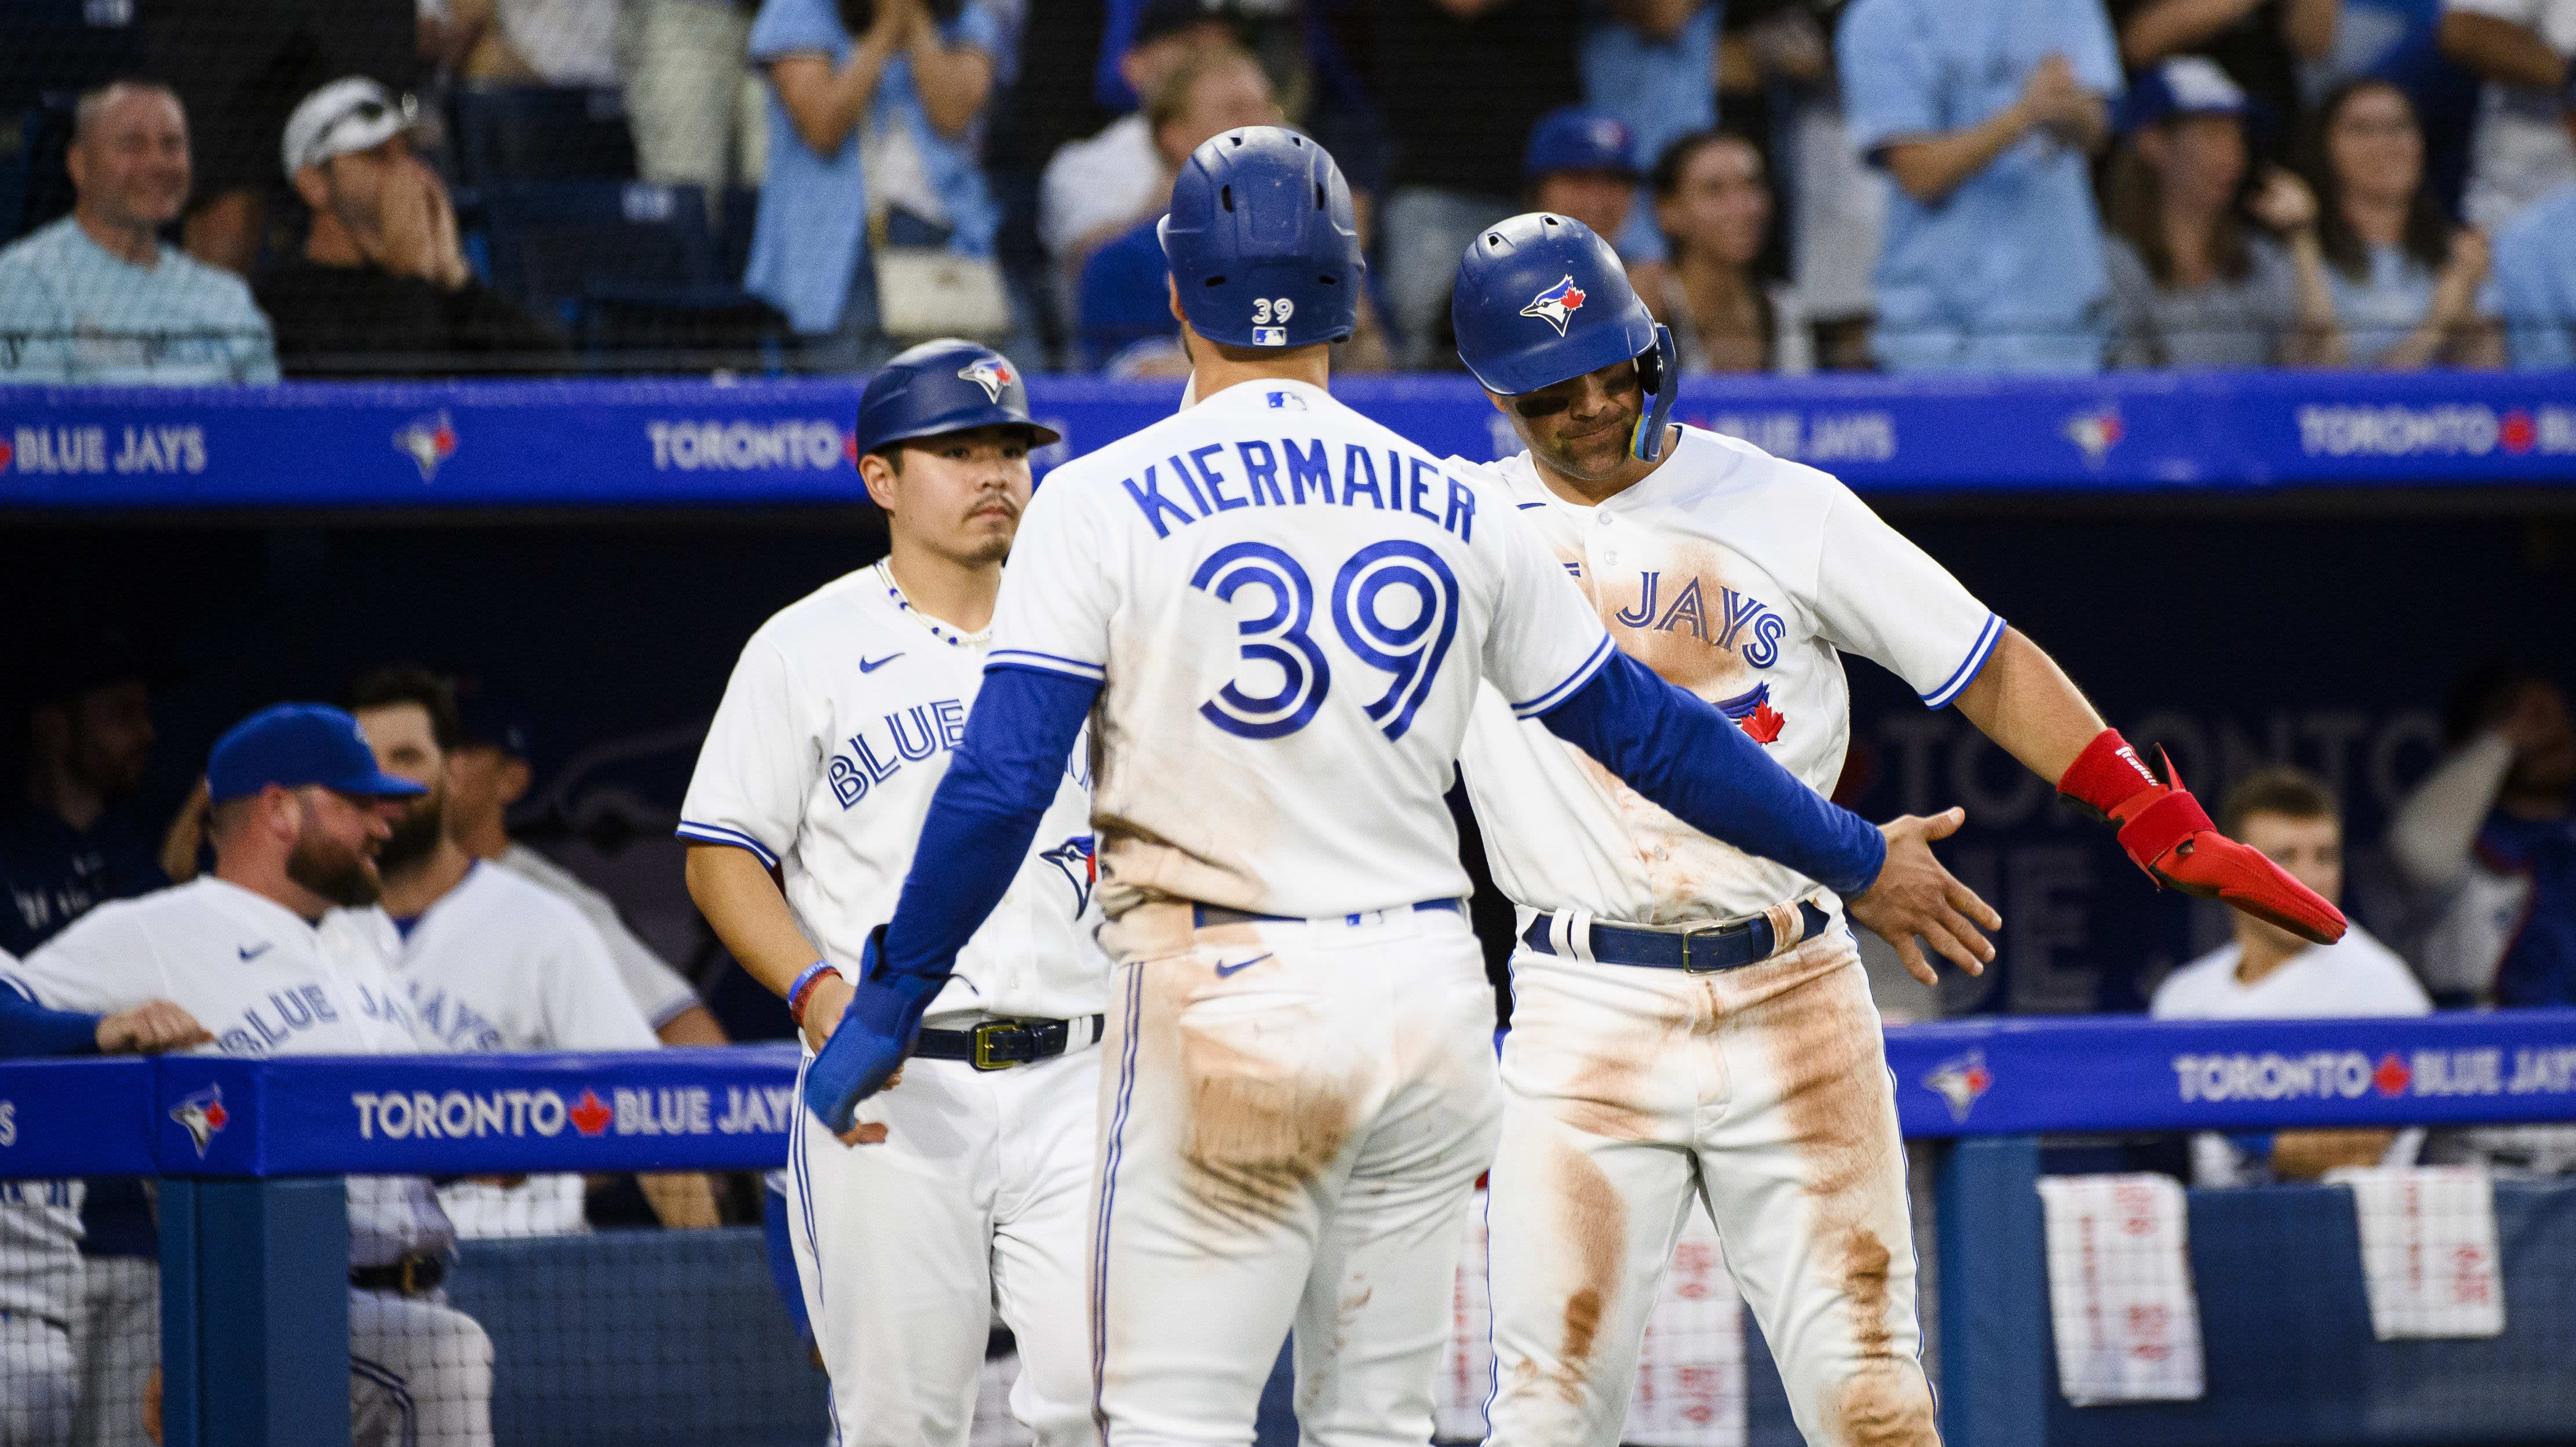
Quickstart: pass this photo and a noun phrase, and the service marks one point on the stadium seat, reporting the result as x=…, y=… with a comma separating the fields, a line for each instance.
x=542, y=133
x=626, y=268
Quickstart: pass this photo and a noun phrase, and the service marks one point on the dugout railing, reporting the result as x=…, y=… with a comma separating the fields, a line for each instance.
x=249, y=1157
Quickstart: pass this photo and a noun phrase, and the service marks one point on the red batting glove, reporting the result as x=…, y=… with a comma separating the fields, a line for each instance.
x=2166, y=831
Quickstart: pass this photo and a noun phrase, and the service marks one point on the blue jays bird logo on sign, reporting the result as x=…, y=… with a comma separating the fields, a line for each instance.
x=990, y=374
x=202, y=1114
x=1557, y=305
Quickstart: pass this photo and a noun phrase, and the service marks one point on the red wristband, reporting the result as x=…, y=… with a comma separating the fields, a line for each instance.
x=2106, y=775
x=805, y=989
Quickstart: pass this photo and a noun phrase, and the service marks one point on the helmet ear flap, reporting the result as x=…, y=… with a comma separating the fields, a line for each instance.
x=1659, y=377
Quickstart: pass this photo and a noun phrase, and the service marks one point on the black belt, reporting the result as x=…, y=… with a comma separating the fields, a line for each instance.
x=416, y=1274
x=1001, y=1044
x=1203, y=915
x=1700, y=949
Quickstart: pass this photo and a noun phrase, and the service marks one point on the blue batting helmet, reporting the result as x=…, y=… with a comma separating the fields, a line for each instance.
x=943, y=386
x=1539, y=299
x=1262, y=242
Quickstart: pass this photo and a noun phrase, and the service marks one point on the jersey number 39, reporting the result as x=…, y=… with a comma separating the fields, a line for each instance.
x=1408, y=648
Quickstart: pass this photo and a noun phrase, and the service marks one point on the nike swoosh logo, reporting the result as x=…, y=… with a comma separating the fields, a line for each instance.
x=871, y=665
x=249, y=954
x=1223, y=971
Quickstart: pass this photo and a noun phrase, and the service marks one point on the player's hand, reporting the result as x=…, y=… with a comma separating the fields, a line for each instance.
x=864, y=1051
x=2170, y=836
x=1914, y=895
x=149, y=1029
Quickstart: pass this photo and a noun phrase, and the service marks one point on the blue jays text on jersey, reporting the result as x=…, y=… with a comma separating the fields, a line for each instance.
x=267, y=1024
x=1293, y=474
x=1741, y=621
x=909, y=736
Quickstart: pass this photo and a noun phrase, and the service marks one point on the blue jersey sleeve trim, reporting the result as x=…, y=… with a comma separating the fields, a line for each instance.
x=29, y=1030
x=1044, y=663
x=1966, y=672
x=718, y=834
x=1574, y=681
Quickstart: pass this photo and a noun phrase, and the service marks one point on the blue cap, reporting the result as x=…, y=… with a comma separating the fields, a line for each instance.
x=1264, y=247
x=1540, y=299
x=1578, y=138
x=293, y=745
x=939, y=387
x=2187, y=85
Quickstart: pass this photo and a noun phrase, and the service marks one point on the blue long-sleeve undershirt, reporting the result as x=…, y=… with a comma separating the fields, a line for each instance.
x=1668, y=745
x=28, y=1029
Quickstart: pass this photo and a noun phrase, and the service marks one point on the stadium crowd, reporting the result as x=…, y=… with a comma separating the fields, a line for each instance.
x=220, y=192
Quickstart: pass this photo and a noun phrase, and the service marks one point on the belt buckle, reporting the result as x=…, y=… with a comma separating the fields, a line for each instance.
x=1695, y=931
x=407, y=1278
x=989, y=1031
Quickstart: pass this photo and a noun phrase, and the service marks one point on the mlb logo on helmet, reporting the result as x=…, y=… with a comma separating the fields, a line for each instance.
x=1270, y=336
x=1557, y=305
x=202, y=1114
x=990, y=373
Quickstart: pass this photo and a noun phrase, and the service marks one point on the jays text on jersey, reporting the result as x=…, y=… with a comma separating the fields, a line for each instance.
x=835, y=729
x=1290, y=606
x=1742, y=578
x=265, y=983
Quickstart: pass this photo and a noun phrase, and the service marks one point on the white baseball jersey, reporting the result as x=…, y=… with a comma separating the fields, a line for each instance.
x=1744, y=579
x=40, y=1236
x=1291, y=607
x=836, y=727
x=658, y=990
x=498, y=963
x=265, y=982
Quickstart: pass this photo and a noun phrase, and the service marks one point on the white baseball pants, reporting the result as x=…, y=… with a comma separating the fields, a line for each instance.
x=37, y=1381
x=1293, y=1115
x=973, y=1203
x=420, y=1373
x=1761, y=1093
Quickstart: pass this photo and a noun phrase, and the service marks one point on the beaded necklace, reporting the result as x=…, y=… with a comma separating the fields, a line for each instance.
x=940, y=631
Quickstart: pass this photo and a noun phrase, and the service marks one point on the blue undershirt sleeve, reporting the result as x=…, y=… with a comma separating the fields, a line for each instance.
x=28, y=1029
x=1677, y=750
x=985, y=812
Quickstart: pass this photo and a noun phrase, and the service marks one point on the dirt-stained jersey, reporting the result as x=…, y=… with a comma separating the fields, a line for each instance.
x=1744, y=579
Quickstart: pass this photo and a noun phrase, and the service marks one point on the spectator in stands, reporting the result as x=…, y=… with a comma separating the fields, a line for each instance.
x=382, y=287
x=2521, y=48
x=2260, y=44
x=489, y=960
x=242, y=65
x=2267, y=973
x=262, y=952
x=2189, y=286
x=692, y=102
x=1839, y=209
x=2406, y=282
x=1713, y=206
x=1460, y=84
x=97, y=297
x=1126, y=303
x=2535, y=271
x=907, y=85
x=533, y=42
x=1654, y=66
x=1582, y=163
x=1098, y=188
x=489, y=771
x=2488, y=838
x=1983, y=112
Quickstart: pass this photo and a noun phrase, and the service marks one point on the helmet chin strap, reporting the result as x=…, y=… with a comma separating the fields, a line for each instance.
x=1659, y=373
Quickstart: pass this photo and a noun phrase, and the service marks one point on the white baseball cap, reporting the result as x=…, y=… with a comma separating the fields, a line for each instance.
x=350, y=114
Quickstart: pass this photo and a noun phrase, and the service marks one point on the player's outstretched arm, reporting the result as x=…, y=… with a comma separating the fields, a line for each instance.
x=982, y=817
x=2024, y=702
x=1682, y=753
x=29, y=1030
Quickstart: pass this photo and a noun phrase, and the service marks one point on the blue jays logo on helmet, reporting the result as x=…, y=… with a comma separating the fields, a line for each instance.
x=990, y=373
x=1557, y=305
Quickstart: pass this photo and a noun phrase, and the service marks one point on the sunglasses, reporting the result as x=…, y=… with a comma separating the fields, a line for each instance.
x=1543, y=405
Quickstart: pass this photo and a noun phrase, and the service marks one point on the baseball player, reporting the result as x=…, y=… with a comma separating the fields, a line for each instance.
x=490, y=961
x=266, y=953
x=967, y=1195
x=1691, y=1018
x=40, y=1221
x=1278, y=613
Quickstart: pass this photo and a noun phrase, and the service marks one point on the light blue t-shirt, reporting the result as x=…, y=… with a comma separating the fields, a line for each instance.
x=2384, y=308
x=813, y=217
x=2004, y=274
x=72, y=312
x=2535, y=283
x=1663, y=89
